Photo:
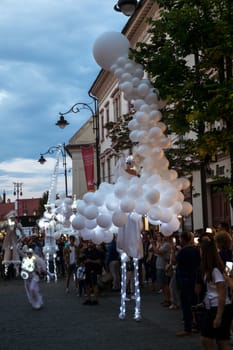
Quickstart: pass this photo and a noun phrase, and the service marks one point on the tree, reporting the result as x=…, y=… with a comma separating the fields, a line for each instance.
x=119, y=134
x=189, y=60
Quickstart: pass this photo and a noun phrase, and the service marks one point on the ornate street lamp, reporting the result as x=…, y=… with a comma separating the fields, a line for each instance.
x=52, y=150
x=127, y=7
x=76, y=108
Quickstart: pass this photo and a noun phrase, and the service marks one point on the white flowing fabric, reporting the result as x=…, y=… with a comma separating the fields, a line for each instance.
x=129, y=237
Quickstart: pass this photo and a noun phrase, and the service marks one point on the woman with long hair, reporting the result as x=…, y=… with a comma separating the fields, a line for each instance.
x=218, y=308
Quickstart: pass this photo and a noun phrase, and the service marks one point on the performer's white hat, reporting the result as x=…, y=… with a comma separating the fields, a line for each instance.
x=11, y=214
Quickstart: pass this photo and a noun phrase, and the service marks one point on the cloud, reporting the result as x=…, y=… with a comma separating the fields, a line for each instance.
x=46, y=66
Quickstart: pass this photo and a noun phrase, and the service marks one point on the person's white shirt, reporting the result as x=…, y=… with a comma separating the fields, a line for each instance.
x=211, y=297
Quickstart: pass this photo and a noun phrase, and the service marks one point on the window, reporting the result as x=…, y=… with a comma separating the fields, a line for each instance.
x=117, y=107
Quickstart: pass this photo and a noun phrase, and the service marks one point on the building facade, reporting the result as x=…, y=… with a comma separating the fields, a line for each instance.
x=209, y=202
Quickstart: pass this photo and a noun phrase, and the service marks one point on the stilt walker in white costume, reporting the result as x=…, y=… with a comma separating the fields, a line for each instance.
x=10, y=243
x=129, y=244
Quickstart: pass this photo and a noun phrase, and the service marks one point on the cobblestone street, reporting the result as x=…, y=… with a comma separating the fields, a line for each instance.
x=64, y=323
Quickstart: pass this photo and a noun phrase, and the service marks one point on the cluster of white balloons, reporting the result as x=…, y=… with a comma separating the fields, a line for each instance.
x=157, y=193
x=57, y=220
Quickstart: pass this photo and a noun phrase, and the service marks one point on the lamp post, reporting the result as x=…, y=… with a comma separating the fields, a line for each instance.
x=18, y=191
x=52, y=150
x=62, y=123
x=127, y=7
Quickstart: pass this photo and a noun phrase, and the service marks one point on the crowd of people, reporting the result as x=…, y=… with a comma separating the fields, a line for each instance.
x=193, y=273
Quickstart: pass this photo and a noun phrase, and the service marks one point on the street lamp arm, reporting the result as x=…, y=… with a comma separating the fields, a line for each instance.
x=77, y=107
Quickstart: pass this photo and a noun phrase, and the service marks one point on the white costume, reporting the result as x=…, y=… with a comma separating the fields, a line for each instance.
x=11, y=255
x=32, y=267
x=129, y=244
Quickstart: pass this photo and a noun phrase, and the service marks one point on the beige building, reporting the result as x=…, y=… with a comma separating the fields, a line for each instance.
x=83, y=137
x=112, y=106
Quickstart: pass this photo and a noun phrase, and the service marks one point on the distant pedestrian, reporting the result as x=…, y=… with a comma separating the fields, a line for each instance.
x=187, y=268
x=217, y=318
x=71, y=256
x=113, y=264
x=93, y=264
x=81, y=276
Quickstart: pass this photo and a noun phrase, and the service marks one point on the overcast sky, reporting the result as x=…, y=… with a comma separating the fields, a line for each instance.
x=46, y=66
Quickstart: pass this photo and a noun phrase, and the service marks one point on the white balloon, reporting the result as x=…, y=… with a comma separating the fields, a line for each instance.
x=168, y=197
x=111, y=202
x=113, y=68
x=126, y=87
x=172, y=226
x=132, y=125
x=185, y=183
x=153, y=222
x=186, y=209
x=142, y=118
x=127, y=205
x=88, y=197
x=78, y=223
x=109, y=47
x=142, y=207
x=126, y=77
x=129, y=67
x=145, y=108
x=139, y=72
x=136, y=81
x=136, y=217
x=118, y=72
x=162, y=126
x=166, y=214
x=151, y=98
x=138, y=103
x=86, y=234
x=134, y=135
x=119, y=218
x=152, y=196
x=90, y=224
x=155, y=213
x=91, y=212
x=98, y=199
x=157, y=153
x=155, y=132
x=68, y=201
x=120, y=190
x=108, y=236
x=122, y=61
x=81, y=207
x=134, y=191
x=165, y=229
x=143, y=89
x=104, y=220
x=165, y=142
x=142, y=136
x=176, y=207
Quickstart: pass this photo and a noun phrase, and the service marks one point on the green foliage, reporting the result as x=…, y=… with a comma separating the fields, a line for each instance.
x=118, y=132
x=189, y=60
